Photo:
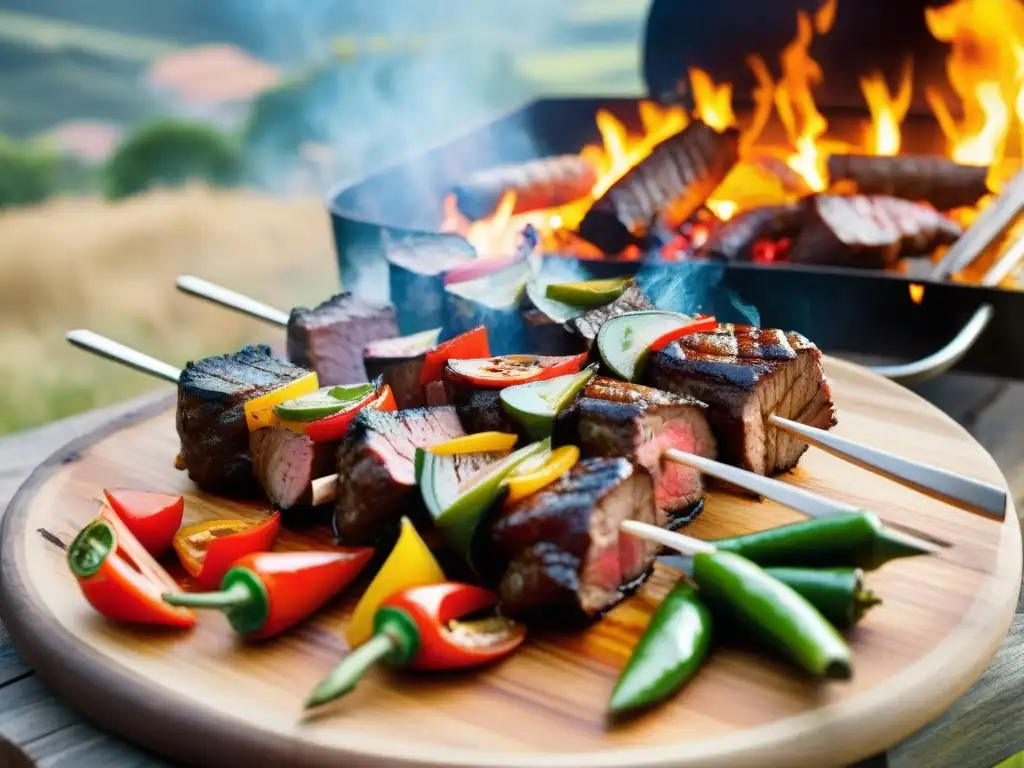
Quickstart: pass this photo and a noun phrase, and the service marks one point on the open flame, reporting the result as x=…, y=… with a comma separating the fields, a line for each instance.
x=916, y=293
x=985, y=68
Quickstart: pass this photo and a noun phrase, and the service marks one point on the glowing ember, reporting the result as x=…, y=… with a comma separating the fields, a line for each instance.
x=887, y=111
x=916, y=293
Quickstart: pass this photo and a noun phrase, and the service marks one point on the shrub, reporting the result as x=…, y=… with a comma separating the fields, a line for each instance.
x=170, y=153
x=28, y=173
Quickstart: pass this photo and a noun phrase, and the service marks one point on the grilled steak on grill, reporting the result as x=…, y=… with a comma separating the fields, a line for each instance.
x=377, y=481
x=745, y=374
x=286, y=463
x=560, y=550
x=589, y=323
x=616, y=418
x=212, y=393
x=330, y=338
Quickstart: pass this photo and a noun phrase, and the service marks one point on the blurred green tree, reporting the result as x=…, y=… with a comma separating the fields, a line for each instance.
x=171, y=152
x=29, y=173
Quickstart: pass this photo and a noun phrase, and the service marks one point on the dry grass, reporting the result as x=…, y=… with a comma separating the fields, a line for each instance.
x=111, y=267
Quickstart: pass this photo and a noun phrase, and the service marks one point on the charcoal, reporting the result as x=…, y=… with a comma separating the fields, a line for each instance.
x=544, y=183
x=678, y=176
x=416, y=267
x=399, y=363
x=733, y=240
x=936, y=180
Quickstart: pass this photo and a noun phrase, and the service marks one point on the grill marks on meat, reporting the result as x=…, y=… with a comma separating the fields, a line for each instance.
x=868, y=232
x=589, y=323
x=286, y=463
x=210, y=419
x=745, y=374
x=615, y=418
x=330, y=338
x=561, y=549
x=376, y=476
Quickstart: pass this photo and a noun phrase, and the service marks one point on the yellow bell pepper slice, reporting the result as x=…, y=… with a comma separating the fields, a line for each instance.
x=561, y=461
x=259, y=412
x=410, y=564
x=476, y=443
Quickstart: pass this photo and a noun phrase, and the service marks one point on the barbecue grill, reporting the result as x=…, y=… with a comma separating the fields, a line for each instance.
x=925, y=322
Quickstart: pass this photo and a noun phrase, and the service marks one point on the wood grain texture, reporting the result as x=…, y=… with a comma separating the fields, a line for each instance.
x=943, y=619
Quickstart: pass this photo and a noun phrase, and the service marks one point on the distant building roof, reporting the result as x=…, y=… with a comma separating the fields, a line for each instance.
x=213, y=74
x=92, y=140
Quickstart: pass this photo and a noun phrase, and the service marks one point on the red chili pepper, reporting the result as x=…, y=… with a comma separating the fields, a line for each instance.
x=333, y=427
x=505, y=371
x=153, y=518
x=265, y=593
x=208, y=549
x=119, y=578
x=420, y=628
x=466, y=345
x=701, y=325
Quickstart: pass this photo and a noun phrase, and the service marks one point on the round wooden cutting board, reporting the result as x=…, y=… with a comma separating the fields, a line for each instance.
x=205, y=696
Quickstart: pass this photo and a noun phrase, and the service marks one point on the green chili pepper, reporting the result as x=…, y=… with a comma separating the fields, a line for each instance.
x=838, y=593
x=857, y=539
x=775, y=612
x=672, y=649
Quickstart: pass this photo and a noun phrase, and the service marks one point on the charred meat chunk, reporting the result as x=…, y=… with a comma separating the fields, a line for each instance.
x=399, y=362
x=560, y=550
x=589, y=323
x=616, y=418
x=286, y=463
x=868, y=232
x=937, y=180
x=733, y=240
x=212, y=393
x=480, y=410
x=745, y=374
x=330, y=337
x=376, y=476
x=544, y=183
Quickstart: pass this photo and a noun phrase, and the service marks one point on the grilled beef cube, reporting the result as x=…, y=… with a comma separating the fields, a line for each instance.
x=544, y=183
x=745, y=374
x=400, y=362
x=589, y=323
x=286, y=463
x=675, y=179
x=480, y=410
x=733, y=240
x=377, y=481
x=560, y=551
x=616, y=418
x=416, y=268
x=212, y=393
x=933, y=179
x=868, y=232
x=330, y=338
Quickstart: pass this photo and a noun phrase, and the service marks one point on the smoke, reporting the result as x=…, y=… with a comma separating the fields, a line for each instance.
x=696, y=286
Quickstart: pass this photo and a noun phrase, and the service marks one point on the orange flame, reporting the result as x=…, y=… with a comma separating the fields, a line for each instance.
x=916, y=293
x=887, y=111
x=713, y=101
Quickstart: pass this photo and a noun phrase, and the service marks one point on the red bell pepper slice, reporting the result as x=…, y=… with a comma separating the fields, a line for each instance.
x=153, y=518
x=119, y=578
x=508, y=370
x=207, y=550
x=701, y=325
x=470, y=344
x=333, y=427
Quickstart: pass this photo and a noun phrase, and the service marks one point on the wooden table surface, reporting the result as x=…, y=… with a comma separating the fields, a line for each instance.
x=982, y=728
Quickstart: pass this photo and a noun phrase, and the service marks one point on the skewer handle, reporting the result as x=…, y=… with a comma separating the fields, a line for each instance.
x=225, y=297
x=119, y=353
x=684, y=545
x=963, y=492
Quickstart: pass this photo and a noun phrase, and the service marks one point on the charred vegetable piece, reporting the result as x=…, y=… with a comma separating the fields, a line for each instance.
x=410, y=564
x=536, y=405
x=543, y=183
x=590, y=293
x=265, y=593
x=153, y=518
x=469, y=345
x=934, y=179
x=421, y=628
x=261, y=411
x=772, y=611
x=208, y=549
x=587, y=325
x=857, y=539
x=625, y=341
x=670, y=652
x=508, y=370
x=324, y=402
x=119, y=578
x=475, y=443
x=838, y=593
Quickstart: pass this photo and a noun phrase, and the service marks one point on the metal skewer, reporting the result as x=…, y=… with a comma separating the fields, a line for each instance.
x=225, y=297
x=963, y=492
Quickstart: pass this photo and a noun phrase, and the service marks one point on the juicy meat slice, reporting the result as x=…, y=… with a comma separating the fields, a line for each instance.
x=745, y=374
x=400, y=362
x=330, y=337
x=210, y=418
x=376, y=476
x=616, y=418
x=561, y=549
x=480, y=410
x=286, y=463
x=589, y=323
